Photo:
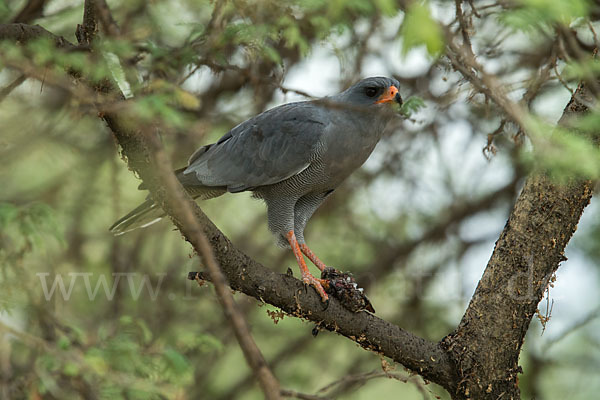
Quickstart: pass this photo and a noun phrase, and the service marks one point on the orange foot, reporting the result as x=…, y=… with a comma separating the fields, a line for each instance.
x=312, y=257
x=307, y=277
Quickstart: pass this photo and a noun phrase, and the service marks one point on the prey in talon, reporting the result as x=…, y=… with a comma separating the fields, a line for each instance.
x=343, y=287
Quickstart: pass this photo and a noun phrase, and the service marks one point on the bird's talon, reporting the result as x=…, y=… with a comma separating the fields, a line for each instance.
x=306, y=285
x=326, y=306
x=318, y=285
x=315, y=331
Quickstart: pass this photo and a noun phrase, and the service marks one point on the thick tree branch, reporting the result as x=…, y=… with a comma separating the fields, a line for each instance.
x=487, y=343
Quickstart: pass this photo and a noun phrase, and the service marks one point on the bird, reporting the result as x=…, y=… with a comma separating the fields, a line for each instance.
x=293, y=157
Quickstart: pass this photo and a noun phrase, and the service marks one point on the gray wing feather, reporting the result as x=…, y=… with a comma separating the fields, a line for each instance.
x=264, y=150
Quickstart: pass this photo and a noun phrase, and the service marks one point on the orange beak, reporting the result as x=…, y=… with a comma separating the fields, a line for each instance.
x=388, y=96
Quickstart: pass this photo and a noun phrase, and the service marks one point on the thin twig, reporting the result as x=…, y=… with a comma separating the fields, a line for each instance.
x=562, y=81
x=106, y=18
x=31, y=10
x=577, y=325
x=12, y=86
x=361, y=378
x=485, y=83
x=177, y=201
x=302, y=396
x=594, y=35
x=363, y=44
x=538, y=81
x=183, y=216
x=582, y=57
x=464, y=29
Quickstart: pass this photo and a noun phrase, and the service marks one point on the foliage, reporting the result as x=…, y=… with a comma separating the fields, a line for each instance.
x=419, y=28
x=531, y=15
x=411, y=105
x=85, y=314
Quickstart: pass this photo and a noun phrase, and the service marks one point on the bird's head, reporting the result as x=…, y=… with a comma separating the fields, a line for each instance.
x=372, y=91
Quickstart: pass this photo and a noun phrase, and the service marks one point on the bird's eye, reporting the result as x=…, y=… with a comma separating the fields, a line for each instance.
x=371, y=91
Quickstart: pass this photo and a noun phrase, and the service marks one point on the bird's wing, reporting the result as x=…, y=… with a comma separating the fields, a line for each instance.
x=264, y=150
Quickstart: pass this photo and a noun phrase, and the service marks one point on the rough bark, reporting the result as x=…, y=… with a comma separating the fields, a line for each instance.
x=488, y=340
x=21, y=33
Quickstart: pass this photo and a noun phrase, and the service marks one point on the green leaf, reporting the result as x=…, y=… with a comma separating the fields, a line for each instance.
x=63, y=343
x=8, y=213
x=146, y=333
x=71, y=369
x=176, y=361
x=577, y=70
x=321, y=24
x=420, y=29
x=411, y=105
x=562, y=153
x=272, y=54
x=203, y=342
x=96, y=361
x=387, y=7
x=43, y=51
x=529, y=15
x=4, y=10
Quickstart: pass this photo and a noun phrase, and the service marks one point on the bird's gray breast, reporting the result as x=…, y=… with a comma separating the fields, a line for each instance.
x=349, y=144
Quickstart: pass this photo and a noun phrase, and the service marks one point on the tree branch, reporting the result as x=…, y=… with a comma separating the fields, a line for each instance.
x=106, y=18
x=176, y=201
x=21, y=33
x=87, y=30
x=463, y=59
x=488, y=340
x=12, y=86
x=30, y=11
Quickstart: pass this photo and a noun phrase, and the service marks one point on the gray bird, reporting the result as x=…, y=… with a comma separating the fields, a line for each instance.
x=292, y=156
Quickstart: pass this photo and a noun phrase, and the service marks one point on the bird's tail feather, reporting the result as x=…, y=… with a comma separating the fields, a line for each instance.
x=148, y=212
x=143, y=215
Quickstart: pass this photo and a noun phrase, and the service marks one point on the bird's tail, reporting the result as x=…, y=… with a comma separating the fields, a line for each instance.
x=142, y=216
x=149, y=212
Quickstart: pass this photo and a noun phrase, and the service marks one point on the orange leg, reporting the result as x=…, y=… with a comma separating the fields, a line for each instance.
x=307, y=277
x=312, y=257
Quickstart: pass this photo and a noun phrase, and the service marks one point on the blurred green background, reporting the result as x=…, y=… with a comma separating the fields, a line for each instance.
x=85, y=315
